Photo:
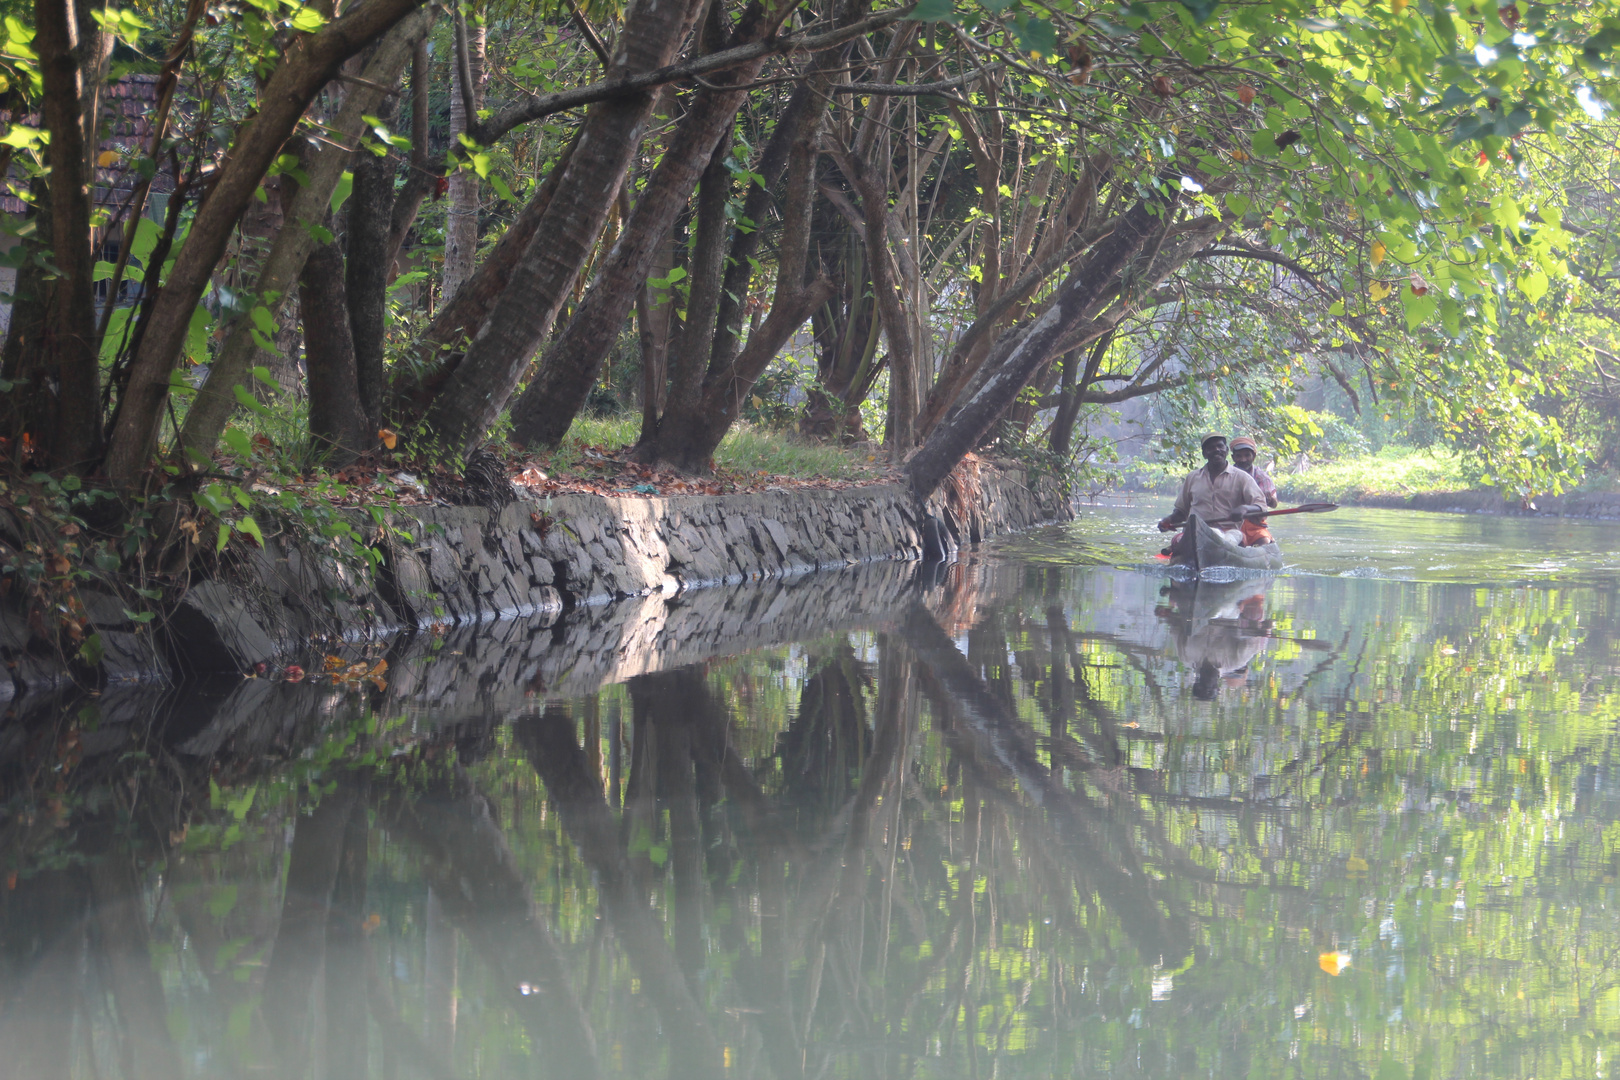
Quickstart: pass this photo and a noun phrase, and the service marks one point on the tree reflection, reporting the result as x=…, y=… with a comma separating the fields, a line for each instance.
x=1011, y=830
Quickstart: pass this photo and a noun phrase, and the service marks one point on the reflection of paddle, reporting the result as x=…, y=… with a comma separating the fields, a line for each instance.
x=1306, y=508
x=1314, y=644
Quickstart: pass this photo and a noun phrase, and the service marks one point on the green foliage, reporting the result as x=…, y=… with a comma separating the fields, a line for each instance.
x=1392, y=472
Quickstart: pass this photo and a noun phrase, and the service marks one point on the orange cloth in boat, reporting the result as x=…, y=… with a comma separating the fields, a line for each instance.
x=1255, y=533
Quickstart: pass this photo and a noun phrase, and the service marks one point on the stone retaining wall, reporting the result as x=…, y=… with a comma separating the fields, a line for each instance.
x=452, y=566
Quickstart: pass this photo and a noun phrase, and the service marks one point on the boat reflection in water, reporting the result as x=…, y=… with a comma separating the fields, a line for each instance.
x=1219, y=629
x=990, y=825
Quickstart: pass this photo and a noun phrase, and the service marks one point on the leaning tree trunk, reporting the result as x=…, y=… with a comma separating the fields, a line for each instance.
x=216, y=401
x=461, y=218
x=543, y=414
x=474, y=394
x=304, y=69
x=963, y=431
x=688, y=435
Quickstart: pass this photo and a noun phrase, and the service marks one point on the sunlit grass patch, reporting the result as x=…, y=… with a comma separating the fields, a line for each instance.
x=1397, y=471
x=751, y=449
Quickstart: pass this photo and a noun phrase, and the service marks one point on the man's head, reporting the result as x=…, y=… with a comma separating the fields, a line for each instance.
x=1215, y=451
x=1243, y=451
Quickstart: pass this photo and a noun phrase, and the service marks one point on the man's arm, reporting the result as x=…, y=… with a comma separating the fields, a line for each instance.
x=1249, y=492
x=1183, y=506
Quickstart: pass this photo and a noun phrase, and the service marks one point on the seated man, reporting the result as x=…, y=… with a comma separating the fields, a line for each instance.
x=1219, y=494
x=1243, y=451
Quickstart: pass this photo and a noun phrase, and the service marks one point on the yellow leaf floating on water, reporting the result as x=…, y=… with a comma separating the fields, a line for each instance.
x=1333, y=963
x=1378, y=290
x=1356, y=864
x=1378, y=252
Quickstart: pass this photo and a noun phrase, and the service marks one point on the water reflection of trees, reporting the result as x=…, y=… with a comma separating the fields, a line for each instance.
x=983, y=839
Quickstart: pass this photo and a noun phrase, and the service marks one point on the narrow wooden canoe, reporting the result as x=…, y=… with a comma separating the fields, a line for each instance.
x=1211, y=548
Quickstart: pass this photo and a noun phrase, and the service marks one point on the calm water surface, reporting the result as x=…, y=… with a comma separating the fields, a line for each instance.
x=1046, y=814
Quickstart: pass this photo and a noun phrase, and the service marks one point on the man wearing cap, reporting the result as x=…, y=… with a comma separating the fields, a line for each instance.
x=1243, y=452
x=1217, y=493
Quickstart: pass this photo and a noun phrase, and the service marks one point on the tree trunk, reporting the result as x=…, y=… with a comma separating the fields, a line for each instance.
x=804, y=109
x=891, y=311
x=69, y=435
x=421, y=176
x=30, y=402
x=216, y=401
x=371, y=207
x=461, y=217
x=689, y=437
x=1074, y=392
x=548, y=406
x=654, y=314
x=691, y=355
x=962, y=432
x=304, y=69
x=337, y=422
x=542, y=415
x=458, y=321
x=475, y=393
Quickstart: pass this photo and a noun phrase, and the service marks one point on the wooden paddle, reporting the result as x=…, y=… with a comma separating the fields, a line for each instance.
x=1305, y=508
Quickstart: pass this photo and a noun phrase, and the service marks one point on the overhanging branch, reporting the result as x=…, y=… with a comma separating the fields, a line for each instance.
x=537, y=106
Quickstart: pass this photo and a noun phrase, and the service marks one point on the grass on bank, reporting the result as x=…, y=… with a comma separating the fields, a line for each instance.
x=746, y=448
x=1392, y=472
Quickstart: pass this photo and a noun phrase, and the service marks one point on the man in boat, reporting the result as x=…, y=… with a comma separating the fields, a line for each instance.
x=1243, y=452
x=1217, y=493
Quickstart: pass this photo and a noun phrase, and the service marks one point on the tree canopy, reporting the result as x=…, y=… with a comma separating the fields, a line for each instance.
x=976, y=222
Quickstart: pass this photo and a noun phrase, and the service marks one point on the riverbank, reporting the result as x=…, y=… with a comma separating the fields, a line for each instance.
x=280, y=608
x=1398, y=478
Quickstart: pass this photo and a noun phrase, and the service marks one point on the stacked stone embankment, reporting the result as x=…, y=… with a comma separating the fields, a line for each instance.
x=448, y=566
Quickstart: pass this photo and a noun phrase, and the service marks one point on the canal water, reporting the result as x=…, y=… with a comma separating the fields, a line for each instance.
x=1047, y=813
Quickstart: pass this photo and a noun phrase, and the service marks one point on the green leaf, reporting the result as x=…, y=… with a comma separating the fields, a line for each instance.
x=1533, y=285
x=213, y=499
x=262, y=319
x=266, y=376
x=239, y=442
x=21, y=136
x=251, y=527
x=224, y=536
x=248, y=401
x=197, y=331
x=341, y=193
x=308, y=20
x=501, y=189
x=91, y=650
